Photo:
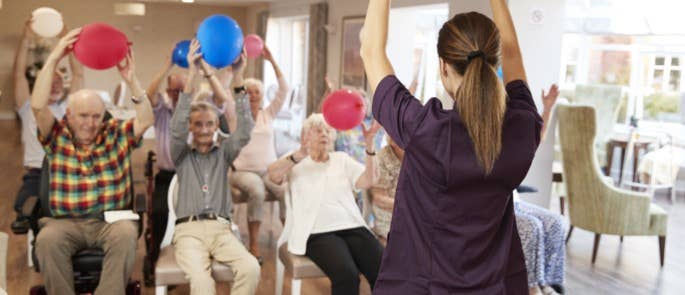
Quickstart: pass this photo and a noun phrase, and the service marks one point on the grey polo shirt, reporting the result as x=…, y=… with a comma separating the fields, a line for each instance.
x=202, y=178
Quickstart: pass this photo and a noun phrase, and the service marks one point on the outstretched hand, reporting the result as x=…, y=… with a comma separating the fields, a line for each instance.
x=550, y=98
x=369, y=133
x=65, y=44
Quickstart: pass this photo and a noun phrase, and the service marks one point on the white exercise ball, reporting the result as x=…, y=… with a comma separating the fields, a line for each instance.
x=47, y=22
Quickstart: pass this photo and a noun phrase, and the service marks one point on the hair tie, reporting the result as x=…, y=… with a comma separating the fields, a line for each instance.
x=475, y=54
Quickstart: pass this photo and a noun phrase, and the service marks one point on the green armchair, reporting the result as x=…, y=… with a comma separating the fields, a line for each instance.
x=595, y=204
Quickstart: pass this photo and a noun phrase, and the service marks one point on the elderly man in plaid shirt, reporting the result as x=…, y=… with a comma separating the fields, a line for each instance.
x=89, y=166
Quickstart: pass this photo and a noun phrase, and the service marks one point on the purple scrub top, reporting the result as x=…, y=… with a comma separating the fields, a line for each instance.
x=453, y=229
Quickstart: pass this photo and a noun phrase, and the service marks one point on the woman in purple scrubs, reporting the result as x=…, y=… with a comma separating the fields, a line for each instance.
x=453, y=229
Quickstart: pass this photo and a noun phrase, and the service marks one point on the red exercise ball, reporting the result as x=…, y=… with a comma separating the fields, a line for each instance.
x=100, y=46
x=344, y=109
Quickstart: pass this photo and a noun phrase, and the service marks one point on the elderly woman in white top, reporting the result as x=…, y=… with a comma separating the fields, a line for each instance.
x=323, y=221
x=248, y=172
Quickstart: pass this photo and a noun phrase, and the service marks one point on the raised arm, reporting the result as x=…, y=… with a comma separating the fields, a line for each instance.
x=180, y=120
x=245, y=122
x=548, y=101
x=21, y=84
x=226, y=77
x=41, y=89
x=370, y=175
x=276, y=105
x=374, y=39
x=223, y=96
x=512, y=61
x=279, y=169
x=144, y=115
x=77, y=76
x=153, y=89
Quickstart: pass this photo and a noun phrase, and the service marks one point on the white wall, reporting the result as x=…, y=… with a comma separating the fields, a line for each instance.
x=152, y=35
x=541, y=48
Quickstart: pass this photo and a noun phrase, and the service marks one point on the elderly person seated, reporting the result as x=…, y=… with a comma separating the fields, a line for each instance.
x=203, y=230
x=327, y=225
x=249, y=169
x=33, y=152
x=89, y=174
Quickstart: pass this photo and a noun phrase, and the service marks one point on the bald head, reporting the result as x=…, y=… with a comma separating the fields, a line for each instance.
x=176, y=80
x=86, y=98
x=85, y=111
x=175, y=84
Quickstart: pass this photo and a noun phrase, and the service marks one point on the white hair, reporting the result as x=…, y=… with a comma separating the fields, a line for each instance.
x=316, y=120
x=252, y=82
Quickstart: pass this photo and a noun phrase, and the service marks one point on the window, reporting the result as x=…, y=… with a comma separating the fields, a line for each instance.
x=413, y=38
x=662, y=88
x=288, y=39
x=625, y=43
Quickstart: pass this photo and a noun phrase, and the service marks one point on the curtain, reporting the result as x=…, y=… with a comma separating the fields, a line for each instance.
x=318, y=48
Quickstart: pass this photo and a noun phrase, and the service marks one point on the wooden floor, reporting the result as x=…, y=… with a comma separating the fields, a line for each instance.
x=631, y=267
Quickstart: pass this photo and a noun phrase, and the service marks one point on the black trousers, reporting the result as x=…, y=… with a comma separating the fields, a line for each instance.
x=343, y=254
x=29, y=187
x=160, y=210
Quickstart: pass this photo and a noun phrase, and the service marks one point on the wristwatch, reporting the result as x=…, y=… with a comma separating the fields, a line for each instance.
x=138, y=100
x=292, y=158
x=239, y=89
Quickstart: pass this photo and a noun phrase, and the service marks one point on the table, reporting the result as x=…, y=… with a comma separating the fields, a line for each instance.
x=641, y=144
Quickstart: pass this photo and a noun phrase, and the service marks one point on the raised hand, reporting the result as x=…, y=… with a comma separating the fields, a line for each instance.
x=550, y=98
x=127, y=68
x=303, y=151
x=65, y=44
x=266, y=53
x=28, y=32
x=369, y=134
x=194, y=56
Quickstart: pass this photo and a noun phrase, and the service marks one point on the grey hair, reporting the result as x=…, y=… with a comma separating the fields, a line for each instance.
x=203, y=106
x=252, y=82
x=315, y=120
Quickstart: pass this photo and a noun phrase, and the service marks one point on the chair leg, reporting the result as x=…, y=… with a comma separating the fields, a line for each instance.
x=662, y=249
x=562, y=204
x=279, y=275
x=570, y=230
x=160, y=290
x=295, y=287
x=594, y=248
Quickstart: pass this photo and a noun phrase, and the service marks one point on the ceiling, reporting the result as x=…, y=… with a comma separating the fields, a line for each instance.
x=216, y=2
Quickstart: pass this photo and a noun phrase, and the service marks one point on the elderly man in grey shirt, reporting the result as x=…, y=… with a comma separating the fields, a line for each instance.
x=204, y=200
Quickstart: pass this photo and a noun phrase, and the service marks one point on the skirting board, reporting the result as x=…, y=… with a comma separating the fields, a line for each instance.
x=7, y=115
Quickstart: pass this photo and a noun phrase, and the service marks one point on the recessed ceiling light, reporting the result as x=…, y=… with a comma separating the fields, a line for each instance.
x=187, y=1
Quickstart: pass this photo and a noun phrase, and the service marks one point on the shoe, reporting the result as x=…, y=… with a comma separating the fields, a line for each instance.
x=21, y=225
x=558, y=288
x=547, y=290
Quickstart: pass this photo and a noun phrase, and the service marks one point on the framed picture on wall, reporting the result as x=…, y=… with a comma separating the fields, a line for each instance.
x=352, y=74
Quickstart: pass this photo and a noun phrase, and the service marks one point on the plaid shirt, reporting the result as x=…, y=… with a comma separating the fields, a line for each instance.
x=90, y=182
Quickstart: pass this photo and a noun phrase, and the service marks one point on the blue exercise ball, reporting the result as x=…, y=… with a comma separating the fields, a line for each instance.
x=221, y=40
x=180, y=54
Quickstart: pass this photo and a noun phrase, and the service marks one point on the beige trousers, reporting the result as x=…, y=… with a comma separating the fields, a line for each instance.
x=196, y=243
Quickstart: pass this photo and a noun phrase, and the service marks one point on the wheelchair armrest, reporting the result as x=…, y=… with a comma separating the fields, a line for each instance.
x=140, y=204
